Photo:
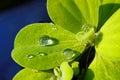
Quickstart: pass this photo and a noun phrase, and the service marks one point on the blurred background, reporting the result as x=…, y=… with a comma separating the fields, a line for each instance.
x=14, y=15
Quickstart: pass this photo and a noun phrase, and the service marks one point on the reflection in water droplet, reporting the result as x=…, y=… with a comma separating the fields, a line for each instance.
x=50, y=41
x=30, y=56
x=41, y=54
x=47, y=41
x=69, y=54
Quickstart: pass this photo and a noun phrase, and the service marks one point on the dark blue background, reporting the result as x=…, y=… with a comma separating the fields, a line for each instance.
x=11, y=21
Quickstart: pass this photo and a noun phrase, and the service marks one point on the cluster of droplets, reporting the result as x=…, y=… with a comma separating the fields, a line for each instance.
x=54, y=28
x=86, y=35
x=86, y=27
x=68, y=54
x=46, y=41
x=30, y=56
x=85, y=31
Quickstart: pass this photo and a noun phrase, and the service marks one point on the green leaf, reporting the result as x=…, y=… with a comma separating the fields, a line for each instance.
x=73, y=14
x=29, y=74
x=31, y=51
x=109, y=45
x=103, y=69
x=65, y=72
x=106, y=65
x=75, y=67
x=107, y=8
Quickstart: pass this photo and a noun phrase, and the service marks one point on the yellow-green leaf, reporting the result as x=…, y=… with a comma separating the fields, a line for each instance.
x=73, y=14
x=44, y=46
x=29, y=74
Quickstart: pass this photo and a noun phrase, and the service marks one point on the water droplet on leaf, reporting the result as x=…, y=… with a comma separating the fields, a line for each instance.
x=54, y=28
x=30, y=56
x=36, y=71
x=41, y=54
x=86, y=27
x=47, y=41
x=86, y=33
x=69, y=54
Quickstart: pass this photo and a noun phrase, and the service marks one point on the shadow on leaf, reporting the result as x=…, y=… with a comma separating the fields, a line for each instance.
x=89, y=75
x=105, y=11
x=98, y=39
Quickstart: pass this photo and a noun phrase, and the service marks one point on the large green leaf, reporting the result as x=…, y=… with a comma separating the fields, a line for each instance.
x=30, y=52
x=29, y=74
x=106, y=65
x=107, y=8
x=103, y=69
x=73, y=14
x=109, y=46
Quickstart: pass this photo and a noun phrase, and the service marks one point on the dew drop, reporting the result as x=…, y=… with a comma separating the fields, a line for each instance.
x=30, y=56
x=36, y=71
x=86, y=33
x=47, y=41
x=86, y=27
x=41, y=54
x=54, y=28
x=69, y=54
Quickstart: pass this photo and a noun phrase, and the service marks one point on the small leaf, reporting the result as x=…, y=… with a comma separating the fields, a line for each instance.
x=75, y=67
x=29, y=74
x=57, y=72
x=39, y=46
x=73, y=14
x=67, y=72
